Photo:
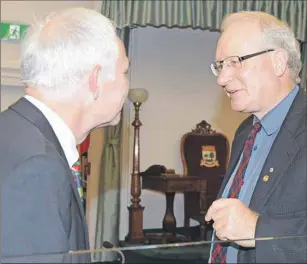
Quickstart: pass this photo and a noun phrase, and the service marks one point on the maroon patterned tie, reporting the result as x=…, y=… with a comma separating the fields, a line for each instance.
x=219, y=250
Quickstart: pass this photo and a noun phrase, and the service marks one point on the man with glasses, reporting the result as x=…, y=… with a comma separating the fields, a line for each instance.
x=264, y=192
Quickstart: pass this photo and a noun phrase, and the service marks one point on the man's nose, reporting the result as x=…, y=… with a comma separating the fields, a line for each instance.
x=225, y=76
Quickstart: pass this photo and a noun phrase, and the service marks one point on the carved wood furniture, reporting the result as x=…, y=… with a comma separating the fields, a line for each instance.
x=170, y=184
x=205, y=154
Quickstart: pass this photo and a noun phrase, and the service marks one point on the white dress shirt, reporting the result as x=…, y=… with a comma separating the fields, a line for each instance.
x=61, y=130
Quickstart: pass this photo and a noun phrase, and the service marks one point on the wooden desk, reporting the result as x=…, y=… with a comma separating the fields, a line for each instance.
x=171, y=184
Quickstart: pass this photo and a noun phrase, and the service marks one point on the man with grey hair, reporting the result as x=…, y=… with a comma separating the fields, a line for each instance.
x=74, y=68
x=264, y=190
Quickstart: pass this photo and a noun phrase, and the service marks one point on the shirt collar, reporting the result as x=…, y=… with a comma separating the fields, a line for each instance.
x=61, y=130
x=273, y=120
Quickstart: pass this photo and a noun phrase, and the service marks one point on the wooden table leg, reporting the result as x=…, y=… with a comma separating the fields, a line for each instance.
x=169, y=220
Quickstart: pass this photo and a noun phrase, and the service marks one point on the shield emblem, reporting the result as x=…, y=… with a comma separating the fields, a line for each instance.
x=209, y=158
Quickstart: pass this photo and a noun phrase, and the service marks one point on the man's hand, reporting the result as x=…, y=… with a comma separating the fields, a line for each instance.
x=233, y=221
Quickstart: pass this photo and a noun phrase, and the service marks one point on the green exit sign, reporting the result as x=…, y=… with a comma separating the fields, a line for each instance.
x=12, y=31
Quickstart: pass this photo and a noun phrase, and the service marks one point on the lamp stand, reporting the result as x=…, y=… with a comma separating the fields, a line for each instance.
x=136, y=233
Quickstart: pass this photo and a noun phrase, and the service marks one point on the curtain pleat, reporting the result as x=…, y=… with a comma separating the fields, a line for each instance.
x=304, y=67
x=201, y=13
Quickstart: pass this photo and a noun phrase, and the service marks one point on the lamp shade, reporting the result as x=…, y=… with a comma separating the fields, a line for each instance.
x=138, y=95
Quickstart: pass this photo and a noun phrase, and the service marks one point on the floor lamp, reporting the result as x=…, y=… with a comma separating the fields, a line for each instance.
x=137, y=96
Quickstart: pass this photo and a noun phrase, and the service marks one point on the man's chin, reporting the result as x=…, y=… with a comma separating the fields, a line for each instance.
x=237, y=106
x=113, y=122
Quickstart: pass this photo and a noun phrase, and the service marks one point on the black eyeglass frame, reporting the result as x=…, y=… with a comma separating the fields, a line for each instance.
x=242, y=58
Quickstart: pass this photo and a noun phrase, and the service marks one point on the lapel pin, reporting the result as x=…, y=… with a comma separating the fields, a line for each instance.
x=271, y=169
x=266, y=178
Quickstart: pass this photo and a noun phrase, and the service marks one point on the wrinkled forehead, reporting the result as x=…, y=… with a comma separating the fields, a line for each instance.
x=238, y=39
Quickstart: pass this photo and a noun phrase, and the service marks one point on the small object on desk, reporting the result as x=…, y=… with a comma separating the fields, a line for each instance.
x=154, y=170
x=170, y=175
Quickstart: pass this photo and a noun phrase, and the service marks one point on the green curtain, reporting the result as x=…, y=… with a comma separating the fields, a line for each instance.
x=108, y=201
x=108, y=207
x=205, y=14
x=304, y=66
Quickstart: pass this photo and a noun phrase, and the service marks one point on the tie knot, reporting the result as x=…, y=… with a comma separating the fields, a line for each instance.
x=76, y=167
x=257, y=127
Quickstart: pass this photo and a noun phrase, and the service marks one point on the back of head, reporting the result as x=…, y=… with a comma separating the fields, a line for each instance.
x=59, y=52
x=276, y=34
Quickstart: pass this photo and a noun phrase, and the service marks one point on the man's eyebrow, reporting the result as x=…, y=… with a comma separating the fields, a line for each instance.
x=218, y=61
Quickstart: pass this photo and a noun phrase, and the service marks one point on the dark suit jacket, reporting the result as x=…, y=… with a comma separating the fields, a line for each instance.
x=41, y=210
x=282, y=200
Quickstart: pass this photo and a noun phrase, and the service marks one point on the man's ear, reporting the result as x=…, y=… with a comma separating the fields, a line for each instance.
x=94, y=83
x=280, y=59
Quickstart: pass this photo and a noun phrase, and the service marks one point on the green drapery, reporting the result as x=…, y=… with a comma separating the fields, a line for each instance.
x=201, y=13
x=304, y=66
x=108, y=207
x=108, y=201
x=205, y=14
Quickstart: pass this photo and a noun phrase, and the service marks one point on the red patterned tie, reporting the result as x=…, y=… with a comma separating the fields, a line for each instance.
x=219, y=250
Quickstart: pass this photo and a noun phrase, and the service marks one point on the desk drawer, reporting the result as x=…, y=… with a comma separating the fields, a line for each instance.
x=185, y=184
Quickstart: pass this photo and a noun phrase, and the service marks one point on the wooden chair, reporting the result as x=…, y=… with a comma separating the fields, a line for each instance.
x=204, y=153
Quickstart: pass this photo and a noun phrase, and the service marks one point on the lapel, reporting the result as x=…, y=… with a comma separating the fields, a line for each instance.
x=283, y=151
x=28, y=111
x=236, y=150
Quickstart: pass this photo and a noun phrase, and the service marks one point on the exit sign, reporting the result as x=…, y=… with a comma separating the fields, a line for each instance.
x=12, y=31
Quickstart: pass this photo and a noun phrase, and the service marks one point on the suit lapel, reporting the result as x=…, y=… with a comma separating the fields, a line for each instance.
x=283, y=151
x=281, y=156
x=28, y=111
x=237, y=148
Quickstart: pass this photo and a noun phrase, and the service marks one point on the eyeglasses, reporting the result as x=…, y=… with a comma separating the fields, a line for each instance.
x=233, y=62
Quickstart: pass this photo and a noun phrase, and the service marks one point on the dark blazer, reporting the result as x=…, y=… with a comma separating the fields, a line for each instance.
x=41, y=211
x=282, y=200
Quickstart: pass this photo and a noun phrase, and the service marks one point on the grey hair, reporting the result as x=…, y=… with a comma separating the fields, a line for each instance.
x=59, y=52
x=276, y=33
